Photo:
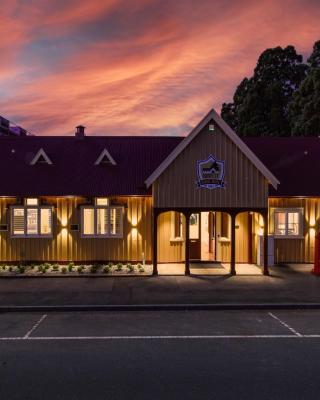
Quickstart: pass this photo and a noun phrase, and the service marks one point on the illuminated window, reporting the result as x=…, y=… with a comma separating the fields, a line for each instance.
x=32, y=202
x=194, y=226
x=288, y=222
x=102, y=221
x=102, y=201
x=31, y=220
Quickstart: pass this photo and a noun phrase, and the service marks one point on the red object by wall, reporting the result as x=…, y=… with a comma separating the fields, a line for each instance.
x=316, y=268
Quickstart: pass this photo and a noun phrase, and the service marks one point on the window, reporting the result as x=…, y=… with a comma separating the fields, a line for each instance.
x=288, y=222
x=194, y=226
x=176, y=226
x=102, y=220
x=224, y=225
x=31, y=220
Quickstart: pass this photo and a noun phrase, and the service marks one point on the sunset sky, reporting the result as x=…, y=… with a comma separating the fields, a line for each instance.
x=142, y=67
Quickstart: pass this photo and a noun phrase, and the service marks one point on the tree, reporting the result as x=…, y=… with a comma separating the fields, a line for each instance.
x=260, y=103
x=304, y=108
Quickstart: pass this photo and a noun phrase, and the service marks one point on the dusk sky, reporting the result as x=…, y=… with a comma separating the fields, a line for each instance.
x=142, y=67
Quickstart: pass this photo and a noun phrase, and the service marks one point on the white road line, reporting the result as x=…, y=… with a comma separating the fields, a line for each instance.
x=35, y=326
x=180, y=337
x=285, y=325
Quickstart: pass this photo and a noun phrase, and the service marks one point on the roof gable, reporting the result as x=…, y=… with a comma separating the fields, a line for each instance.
x=41, y=157
x=212, y=115
x=105, y=158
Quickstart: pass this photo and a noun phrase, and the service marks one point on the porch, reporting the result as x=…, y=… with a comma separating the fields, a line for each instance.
x=210, y=242
x=243, y=269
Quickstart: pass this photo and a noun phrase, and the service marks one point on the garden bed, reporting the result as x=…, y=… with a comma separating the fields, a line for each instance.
x=47, y=269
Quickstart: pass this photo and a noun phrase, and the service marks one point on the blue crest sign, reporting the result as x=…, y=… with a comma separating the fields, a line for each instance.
x=210, y=173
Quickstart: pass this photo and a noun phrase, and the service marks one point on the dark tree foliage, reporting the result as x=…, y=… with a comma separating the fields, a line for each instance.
x=260, y=103
x=304, y=109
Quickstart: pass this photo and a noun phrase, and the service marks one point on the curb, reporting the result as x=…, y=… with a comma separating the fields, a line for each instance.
x=162, y=307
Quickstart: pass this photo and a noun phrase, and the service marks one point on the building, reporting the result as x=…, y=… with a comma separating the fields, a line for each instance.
x=210, y=196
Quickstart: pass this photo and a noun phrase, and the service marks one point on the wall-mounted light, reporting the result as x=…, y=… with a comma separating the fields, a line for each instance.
x=211, y=127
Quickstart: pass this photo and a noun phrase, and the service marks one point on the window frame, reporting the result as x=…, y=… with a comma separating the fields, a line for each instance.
x=174, y=221
x=96, y=235
x=25, y=208
x=288, y=210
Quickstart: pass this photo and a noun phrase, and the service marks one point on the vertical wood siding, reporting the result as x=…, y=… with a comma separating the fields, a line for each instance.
x=168, y=250
x=297, y=250
x=177, y=186
x=69, y=246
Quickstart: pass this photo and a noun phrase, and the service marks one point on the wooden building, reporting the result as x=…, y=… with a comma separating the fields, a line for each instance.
x=206, y=197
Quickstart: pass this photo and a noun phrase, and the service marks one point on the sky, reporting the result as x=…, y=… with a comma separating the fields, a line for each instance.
x=136, y=67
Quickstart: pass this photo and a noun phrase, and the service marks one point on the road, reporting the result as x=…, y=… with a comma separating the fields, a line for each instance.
x=160, y=355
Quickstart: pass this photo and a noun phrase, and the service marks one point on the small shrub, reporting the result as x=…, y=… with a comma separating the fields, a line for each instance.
x=110, y=265
x=140, y=268
x=106, y=269
x=40, y=268
x=80, y=269
x=130, y=267
x=70, y=267
x=64, y=270
x=32, y=266
x=94, y=268
x=119, y=267
x=10, y=269
x=4, y=267
x=55, y=267
x=21, y=269
x=46, y=266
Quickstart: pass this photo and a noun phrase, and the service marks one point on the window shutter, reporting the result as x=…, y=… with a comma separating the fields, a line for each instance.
x=115, y=227
x=18, y=221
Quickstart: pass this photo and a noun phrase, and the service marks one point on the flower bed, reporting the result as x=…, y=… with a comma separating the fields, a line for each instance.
x=72, y=269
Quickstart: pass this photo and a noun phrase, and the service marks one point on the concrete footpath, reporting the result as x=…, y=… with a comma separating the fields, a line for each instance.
x=286, y=287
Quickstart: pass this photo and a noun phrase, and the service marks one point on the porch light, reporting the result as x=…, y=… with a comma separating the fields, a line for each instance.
x=211, y=127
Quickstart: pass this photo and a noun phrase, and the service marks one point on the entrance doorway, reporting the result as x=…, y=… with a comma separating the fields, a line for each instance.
x=202, y=239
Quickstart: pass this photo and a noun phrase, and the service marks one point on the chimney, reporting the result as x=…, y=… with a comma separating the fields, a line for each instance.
x=80, y=131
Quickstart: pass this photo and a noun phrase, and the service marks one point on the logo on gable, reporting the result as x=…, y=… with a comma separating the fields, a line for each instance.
x=210, y=173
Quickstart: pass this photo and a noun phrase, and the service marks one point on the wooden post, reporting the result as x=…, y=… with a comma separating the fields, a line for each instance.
x=233, y=244
x=265, y=244
x=155, y=242
x=187, y=244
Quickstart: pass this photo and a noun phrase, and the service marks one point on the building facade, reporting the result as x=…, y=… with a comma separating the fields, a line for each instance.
x=207, y=197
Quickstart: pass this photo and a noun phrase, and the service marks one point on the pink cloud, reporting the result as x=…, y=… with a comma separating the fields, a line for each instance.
x=162, y=71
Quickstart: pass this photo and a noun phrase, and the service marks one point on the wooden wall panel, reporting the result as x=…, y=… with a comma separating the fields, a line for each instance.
x=177, y=186
x=169, y=251
x=69, y=246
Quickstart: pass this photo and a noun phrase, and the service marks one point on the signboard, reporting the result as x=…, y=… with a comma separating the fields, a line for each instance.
x=210, y=173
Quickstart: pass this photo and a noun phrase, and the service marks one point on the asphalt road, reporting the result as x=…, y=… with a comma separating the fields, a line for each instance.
x=160, y=355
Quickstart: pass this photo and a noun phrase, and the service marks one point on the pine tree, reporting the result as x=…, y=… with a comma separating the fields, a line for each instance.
x=260, y=103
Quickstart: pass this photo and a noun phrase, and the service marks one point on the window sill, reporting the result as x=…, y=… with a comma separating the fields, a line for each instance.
x=224, y=240
x=101, y=237
x=288, y=237
x=176, y=240
x=31, y=237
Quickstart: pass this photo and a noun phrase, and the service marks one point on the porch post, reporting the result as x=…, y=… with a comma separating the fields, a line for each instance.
x=187, y=244
x=265, y=243
x=155, y=242
x=233, y=243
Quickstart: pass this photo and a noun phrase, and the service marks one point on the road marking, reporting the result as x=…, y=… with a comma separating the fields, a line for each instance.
x=285, y=324
x=35, y=326
x=166, y=337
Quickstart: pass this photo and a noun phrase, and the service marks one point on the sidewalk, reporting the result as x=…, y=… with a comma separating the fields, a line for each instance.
x=292, y=284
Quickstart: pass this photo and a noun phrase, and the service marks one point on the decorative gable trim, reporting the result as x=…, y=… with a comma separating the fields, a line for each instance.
x=212, y=115
x=105, y=157
x=41, y=154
